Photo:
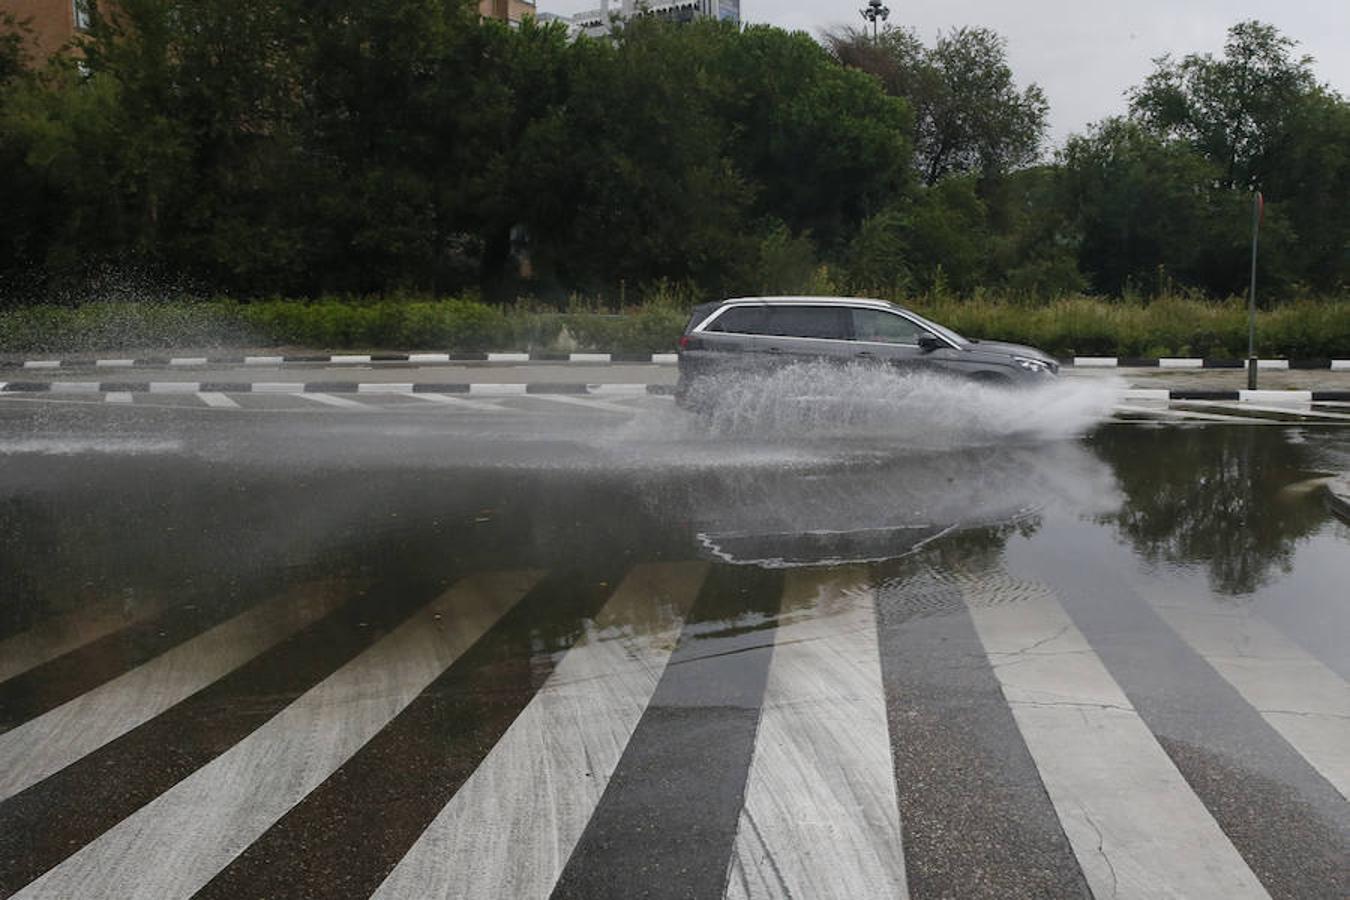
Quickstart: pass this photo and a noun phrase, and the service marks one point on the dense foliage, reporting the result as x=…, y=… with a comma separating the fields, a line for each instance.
x=260, y=148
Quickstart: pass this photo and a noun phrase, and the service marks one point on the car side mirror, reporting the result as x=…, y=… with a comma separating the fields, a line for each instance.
x=928, y=343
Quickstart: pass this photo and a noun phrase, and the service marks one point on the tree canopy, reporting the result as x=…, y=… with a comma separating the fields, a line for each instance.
x=257, y=148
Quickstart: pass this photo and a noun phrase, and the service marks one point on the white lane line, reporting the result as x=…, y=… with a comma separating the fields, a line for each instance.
x=455, y=400
x=63, y=735
x=1275, y=396
x=508, y=832
x=175, y=844
x=343, y=402
x=1301, y=409
x=60, y=634
x=118, y=397
x=499, y=390
x=114, y=363
x=821, y=817
x=623, y=390
x=589, y=404
x=42, y=364
x=218, y=400
x=1302, y=699
x=1135, y=825
x=1187, y=415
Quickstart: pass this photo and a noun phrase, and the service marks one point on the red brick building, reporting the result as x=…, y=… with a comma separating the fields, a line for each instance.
x=53, y=22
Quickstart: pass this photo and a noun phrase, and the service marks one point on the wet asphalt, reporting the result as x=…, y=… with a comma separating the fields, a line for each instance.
x=1196, y=566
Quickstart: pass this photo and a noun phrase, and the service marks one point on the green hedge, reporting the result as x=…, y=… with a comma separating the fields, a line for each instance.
x=1078, y=326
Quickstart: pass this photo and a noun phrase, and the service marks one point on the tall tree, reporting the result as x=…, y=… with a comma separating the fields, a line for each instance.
x=1237, y=110
x=969, y=116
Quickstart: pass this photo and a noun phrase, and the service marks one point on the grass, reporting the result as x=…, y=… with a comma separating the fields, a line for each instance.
x=1080, y=326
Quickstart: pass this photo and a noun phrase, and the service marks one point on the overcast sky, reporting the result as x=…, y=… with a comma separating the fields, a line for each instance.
x=1084, y=53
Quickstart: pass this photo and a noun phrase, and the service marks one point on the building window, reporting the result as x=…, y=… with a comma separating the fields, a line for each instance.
x=81, y=14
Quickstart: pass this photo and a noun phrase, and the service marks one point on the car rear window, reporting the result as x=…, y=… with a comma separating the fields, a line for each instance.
x=742, y=320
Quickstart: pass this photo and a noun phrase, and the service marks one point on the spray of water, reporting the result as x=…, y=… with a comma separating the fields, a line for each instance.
x=876, y=408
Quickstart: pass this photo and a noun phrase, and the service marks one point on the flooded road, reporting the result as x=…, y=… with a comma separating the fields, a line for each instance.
x=531, y=649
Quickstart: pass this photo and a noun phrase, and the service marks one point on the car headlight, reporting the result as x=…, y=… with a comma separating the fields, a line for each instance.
x=1033, y=365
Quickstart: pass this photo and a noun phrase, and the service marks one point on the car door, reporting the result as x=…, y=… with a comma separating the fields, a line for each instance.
x=889, y=338
x=730, y=342
x=800, y=332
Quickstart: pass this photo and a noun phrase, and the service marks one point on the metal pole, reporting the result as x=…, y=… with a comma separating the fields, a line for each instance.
x=1258, y=205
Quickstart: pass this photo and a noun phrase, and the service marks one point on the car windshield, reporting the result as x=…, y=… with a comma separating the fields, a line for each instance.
x=940, y=330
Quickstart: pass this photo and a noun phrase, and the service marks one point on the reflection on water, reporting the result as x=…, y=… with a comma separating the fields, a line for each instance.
x=1212, y=497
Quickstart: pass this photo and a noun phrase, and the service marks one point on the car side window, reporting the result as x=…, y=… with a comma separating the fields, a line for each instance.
x=819, y=322
x=742, y=320
x=883, y=327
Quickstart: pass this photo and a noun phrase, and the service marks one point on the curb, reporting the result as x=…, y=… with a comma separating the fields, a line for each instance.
x=662, y=359
x=499, y=389
x=325, y=387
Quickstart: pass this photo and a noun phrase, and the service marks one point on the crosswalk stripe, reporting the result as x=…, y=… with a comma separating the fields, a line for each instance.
x=1135, y=825
x=58, y=738
x=118, y=397
x=175, y=844
x=60, y=634
x=1307, y=703
x=821, y=817
x=449, y=400
x=217, y=400
x=501, y=836
x=341, y=402
x=686, y=764
x=588, y=404
x=1187, y=415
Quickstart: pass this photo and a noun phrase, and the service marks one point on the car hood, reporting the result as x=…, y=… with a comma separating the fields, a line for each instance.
x=1010, y=349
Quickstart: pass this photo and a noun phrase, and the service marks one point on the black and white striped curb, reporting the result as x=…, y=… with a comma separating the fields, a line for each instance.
x=665, y=359
x=502, y=389
x=326, y=387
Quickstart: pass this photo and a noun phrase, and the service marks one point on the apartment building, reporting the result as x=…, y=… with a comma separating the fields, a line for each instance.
x=597, y=22
x=52, y=22
x=507, y=10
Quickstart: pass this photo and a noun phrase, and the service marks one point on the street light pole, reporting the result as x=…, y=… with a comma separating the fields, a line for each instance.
x=874, y=13
x=1258, y=211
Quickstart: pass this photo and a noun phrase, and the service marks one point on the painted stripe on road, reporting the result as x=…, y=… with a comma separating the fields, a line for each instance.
x=1111, y=783
x=278, y=387
x=499, y=389
x=174, y=845
x=342, y=402
x=175, y=387
x=118, y=397
x=626, y=390
x=381, y=388
x=448, y=400
x=820, y=816
x=114, y=363
x=686, y=765
x=42, y=364
x=417, y=764
x=58, y=738
x=588, y=404
x=217, y=400
x=501, y=836
x=63, y=633
x=1307, y=703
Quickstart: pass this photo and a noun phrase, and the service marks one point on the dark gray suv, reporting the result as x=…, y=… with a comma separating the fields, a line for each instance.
x=756, y=333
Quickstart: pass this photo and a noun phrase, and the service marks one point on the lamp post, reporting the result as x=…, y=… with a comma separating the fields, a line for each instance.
x=875, y=12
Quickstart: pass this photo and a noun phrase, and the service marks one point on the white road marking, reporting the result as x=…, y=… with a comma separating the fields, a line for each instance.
x=174, y=387
x=278, y=387
x=1182, y=414
x=583, y=402
x=405, y=387
x=60, y=634
x=456, y=400
x=175, y=844
x=1307, y=703
x=343, y=402
x=118, y=397
x=498, y=389
x=1302, y=409
x=1135, y=825
x=821, y=817
x=625, y=390
x=57, y=738
x=218, y=400
x=114, y=363
x=501, y=835
x=42, y=364
x=1275, y=396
